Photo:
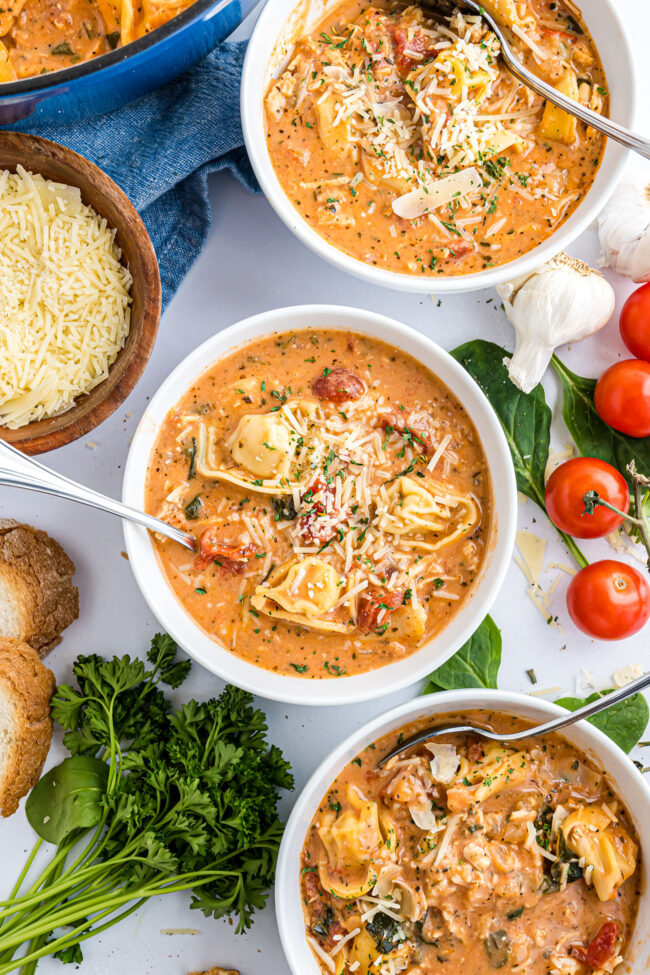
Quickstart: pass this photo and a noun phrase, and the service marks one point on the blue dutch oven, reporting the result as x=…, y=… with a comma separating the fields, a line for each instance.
x=118, y=77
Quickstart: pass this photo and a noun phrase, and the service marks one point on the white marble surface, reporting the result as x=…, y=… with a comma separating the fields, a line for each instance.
x=252, y=263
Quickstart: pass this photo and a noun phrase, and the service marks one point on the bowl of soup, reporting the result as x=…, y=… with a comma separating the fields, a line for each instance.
x=396, y=144
x=351, y=493
x=464, y=854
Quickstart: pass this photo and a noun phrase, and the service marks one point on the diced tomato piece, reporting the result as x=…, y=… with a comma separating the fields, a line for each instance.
x=373, y=603
x=458, y=252
x=338, y=386
x=601, y=948
x=417, y=43
x=213, y=548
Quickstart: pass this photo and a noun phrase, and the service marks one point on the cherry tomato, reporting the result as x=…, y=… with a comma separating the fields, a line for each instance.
x=622, y=397
x=608, y=600
x=635, y=323
x=565, y=491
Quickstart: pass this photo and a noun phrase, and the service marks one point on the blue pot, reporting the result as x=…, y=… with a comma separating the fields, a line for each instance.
x=113, y=79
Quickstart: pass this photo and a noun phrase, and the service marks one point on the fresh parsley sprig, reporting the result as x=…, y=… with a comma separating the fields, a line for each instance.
x=150, y=801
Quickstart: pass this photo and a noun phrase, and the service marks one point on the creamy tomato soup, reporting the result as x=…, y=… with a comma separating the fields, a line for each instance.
x=340, y=496
x=465, y=856
x=406, y=143
x=37, y=36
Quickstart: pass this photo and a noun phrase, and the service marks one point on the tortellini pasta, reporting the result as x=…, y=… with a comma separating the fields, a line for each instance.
x=557, y=125
x=450, y=70
x=499, y=770
x=302, y=592
x=370, y=960
x=414, y=508
x=335, y=137
x=354, y=841
x=606, y=846
x=261, y=444
x=409, y=621
x=504, y=12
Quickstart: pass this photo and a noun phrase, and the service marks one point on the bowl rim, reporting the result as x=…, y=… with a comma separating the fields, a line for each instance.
x=288, y=904
x=66, y=76
x=74, y=423
x=251, y=100
x=342, y=690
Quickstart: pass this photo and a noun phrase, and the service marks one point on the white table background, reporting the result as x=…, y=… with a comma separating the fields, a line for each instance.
x=250, y=264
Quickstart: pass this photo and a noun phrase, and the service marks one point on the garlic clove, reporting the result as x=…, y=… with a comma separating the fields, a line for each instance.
x=562, y=301
x=624, y=227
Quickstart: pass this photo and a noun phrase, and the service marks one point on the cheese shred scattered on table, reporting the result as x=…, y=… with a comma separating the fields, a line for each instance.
x=64, y=313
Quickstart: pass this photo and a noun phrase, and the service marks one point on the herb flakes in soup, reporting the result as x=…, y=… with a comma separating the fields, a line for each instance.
x=406, y=142
x=464, y=855
x=340, y=497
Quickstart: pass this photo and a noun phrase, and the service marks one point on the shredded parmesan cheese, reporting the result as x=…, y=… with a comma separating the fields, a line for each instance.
x=65, y=313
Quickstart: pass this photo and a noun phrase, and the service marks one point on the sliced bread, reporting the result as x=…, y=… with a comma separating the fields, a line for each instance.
x=37, y=597
x=26, y=687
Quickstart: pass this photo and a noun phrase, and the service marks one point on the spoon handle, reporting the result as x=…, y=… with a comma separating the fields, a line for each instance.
x=609, y=128
x=601, y=704
x=18, y=470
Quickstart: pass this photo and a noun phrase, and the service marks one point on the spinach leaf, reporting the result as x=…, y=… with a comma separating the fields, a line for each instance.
x=476, y=664
x=525, y=417
x=624, y=723
x=193, y=508
x=68, y=797
x=594, y=438
x=191, y=453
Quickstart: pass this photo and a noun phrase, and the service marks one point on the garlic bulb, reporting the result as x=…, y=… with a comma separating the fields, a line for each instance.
x=624, y=227
x=562, y=301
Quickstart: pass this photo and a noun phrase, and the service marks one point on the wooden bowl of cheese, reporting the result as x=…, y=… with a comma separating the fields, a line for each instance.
x=80, y=292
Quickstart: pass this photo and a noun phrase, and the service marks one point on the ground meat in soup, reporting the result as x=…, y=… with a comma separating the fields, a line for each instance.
x=456, y=859
x=340, y=499
x=381, y=102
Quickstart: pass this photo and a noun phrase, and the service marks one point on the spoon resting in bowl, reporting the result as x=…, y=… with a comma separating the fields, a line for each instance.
x=18, y=470
x=563, y=721
x=611, y=129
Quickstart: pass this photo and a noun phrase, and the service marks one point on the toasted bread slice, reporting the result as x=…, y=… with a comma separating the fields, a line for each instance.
x=217, y=971
x=26, y=687
x=37, y=597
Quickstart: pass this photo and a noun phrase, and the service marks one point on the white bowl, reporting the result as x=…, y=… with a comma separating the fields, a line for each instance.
x=626, y=779
x=278, y=24
x=342, y=690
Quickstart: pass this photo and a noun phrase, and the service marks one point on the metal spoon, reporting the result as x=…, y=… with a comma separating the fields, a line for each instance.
x=18, y=470
x=611, y=129
x=543, y=729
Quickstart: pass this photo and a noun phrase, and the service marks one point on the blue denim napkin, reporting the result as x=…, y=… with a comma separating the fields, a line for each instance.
x=161, y=149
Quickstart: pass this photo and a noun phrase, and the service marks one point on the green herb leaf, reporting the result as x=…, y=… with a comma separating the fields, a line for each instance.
x=624, y=723
x=593, y=437
x=476, y=664
x=525, y=417
x=193, y=508
x=67, y=798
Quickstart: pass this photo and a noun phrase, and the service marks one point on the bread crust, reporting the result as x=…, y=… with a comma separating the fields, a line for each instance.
x=28, y=684
x=37, y=573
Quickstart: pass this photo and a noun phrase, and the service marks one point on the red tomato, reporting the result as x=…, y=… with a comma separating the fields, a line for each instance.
x=635, y=322
x=565, y=491
x=608, y=600
x=622, y=397
x=601, y=947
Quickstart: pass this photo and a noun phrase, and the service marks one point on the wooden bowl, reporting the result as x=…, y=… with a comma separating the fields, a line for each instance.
x=58, y=163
